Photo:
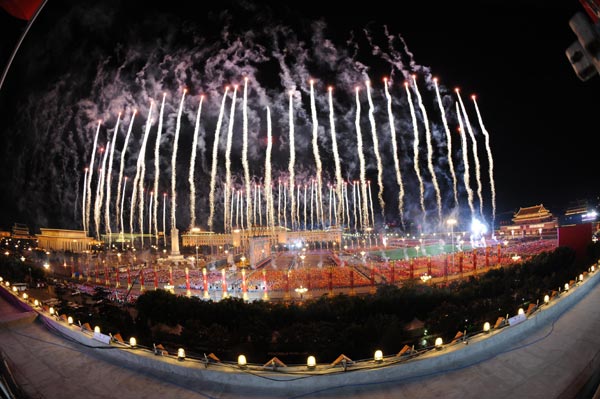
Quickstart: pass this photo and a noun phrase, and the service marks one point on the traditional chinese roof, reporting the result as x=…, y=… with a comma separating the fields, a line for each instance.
x=532, y=213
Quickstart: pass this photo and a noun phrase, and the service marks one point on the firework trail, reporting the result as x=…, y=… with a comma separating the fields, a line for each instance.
x=142, y=170
x=100, y=191
x=109, y=183
x=305, y=214
x=122, y=167
x=193, y=166
x=213, y=171
x=157, y=166
x=254, y=204
x=150, y=204
x=88, y=204
x=474, y=149
x=285, y=205
x=164, y=219
x=292, y=162
x=237, y=209
x=346, y=206
x=245, y=154
x=490, y=159
x=174, y=163
x=465, y=155
x=228, y=160
x=335, y=210
x=268, y=184
x=279, y=202
x=395, y=153
x=312, y=199
x=416, y=149
x=259, y=205
x=83, y=214
x=336, y=156
x=122, y=205
x=231, y=207
x=354, y=205
x=371, y=203
x=315, y=135
x=330, y=201
x=298, y=205
x=376, y=149
x=364, y=212
x=448, y=142
x=436, y=187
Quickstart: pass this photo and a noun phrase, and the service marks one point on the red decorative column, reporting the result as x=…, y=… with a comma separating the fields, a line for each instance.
x=460, y=263
x=286, y=294
x=429, y=265
x=266, y=289
x=142, y=280
x=117, y=282
x=244, y=285
x=446, y=267
x=474, y=261
x=170, y=275
x=487, y=257
x=188, y=291
x=223, y=284
x=330, y=282
x=499, y=254
x=393, y=273
x=205, y=283
x=352, y=282
x=372, y=279
x=128, y=278
x=411, y=269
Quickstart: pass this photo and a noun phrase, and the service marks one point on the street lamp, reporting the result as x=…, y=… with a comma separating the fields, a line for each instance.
x=451, y=222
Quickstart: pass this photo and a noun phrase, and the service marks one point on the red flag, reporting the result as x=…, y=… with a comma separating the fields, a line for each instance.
x=22, y=9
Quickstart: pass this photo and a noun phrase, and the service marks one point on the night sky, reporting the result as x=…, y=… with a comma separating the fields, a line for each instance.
x=88, y=60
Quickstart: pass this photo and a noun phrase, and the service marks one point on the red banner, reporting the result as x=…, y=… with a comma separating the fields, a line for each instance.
x=22, y=9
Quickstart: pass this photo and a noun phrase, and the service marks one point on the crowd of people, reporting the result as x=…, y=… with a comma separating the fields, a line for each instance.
x=316, y=270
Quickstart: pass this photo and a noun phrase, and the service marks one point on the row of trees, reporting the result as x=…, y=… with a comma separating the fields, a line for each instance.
x=353, y=325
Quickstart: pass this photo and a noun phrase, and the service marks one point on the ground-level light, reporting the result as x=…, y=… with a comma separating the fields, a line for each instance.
x=378, y=356
x=486, y=327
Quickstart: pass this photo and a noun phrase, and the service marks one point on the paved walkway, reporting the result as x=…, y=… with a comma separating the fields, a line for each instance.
x=554, y=362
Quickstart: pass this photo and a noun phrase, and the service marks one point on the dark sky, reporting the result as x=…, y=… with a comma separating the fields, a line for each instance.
x=541, y=118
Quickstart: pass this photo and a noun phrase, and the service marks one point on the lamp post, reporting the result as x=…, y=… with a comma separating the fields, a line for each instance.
x=451, y=222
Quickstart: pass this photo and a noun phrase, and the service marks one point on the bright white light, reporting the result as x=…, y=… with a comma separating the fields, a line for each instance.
x=478, y=228
x=378, y=356
x=242, y=361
